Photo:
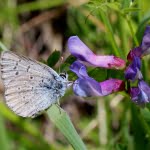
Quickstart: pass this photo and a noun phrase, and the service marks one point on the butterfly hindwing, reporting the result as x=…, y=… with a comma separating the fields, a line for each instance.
x=30, y=87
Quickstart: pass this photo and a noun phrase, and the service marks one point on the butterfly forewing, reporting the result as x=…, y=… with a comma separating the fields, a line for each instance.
x=29, y=85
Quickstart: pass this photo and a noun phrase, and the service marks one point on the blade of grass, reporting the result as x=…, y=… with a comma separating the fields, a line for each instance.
x=62, y=121
x=123, y=35
x=129, y=22
x=110, y=33
x=4, y=141
x=26, y=125
x=38, y=5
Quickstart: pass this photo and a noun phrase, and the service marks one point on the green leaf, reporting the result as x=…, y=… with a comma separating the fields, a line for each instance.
x=65, y=66
x=141, y=27
x=62, y=121
x=120, y=147
x=4, y=141
x=128, y=10
x=126, y=3
x=146, y=114
x=70, y=59
x=115, y=74
x=140, y=129
x=98, y=74
x=28, y=127
x=53, y=58
x=25, y=124
x=110, y=34
x=114, y=6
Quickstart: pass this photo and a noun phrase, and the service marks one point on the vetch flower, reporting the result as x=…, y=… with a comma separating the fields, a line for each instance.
x=141, y=94
x=133, y=70
x=144, y=48
x=86, y=86
x=145, y=45
x=112, y=85
x=136, y=52
x=79, y=69
x=78, y=49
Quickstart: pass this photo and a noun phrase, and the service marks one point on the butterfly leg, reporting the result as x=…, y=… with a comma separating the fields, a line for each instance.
x=58, y=105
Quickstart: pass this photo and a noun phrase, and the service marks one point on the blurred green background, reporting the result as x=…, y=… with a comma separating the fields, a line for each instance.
x=36, y=28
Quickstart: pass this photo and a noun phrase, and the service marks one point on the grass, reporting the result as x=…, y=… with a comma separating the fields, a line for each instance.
x=107, y=27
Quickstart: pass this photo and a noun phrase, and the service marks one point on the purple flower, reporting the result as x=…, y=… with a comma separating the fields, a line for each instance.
x=136, y=52
x=78, y=49
x=112, y=85
x=133, y=70
x=141, y=94
x=146, y=42
x=144, y=48
x=86, y=86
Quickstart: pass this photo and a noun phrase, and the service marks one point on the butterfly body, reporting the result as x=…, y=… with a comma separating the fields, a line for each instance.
x=30, y=86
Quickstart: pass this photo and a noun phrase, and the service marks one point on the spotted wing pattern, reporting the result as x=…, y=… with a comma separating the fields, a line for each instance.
x=29, y=85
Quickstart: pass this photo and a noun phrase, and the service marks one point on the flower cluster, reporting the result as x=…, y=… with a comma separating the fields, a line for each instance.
x=86, y=86
x=141, y=93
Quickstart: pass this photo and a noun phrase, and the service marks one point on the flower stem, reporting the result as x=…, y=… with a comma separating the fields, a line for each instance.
x=102, y=121
x=131, y=30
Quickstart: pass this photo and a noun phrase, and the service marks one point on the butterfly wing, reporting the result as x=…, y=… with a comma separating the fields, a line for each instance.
x=24, y=81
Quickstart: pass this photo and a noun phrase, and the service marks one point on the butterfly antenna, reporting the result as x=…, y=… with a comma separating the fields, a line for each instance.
x=70, y=83
x=61, y=60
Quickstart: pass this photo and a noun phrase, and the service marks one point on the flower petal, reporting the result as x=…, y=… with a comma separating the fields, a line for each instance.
x=144, y=87
x=87, y=87
x=112, y=85
x=83, y=53
x=133, y=70
x=136, y=52
x=146, y=42
x=141, y=94
x=144, y=48
x=79, y=69
x=134, y=92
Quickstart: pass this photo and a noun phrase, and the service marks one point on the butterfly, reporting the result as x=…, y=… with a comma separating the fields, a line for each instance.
x=30, y=86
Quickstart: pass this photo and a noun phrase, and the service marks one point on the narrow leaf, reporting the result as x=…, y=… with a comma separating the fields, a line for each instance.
x=4, y=141
x=62, y=121
x=53, y=58
x=70, y=59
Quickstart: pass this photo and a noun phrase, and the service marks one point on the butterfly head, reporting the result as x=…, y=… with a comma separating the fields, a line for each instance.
x=64, y=75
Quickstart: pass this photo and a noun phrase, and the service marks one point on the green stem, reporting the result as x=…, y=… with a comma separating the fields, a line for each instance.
x=123, y=36
x=110, y=34
x=131, y=30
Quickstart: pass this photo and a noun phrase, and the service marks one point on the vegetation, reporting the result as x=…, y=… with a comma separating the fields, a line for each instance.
x=40, y=29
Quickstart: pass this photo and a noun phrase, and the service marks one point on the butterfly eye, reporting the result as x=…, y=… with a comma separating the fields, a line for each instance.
x=63, y=75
